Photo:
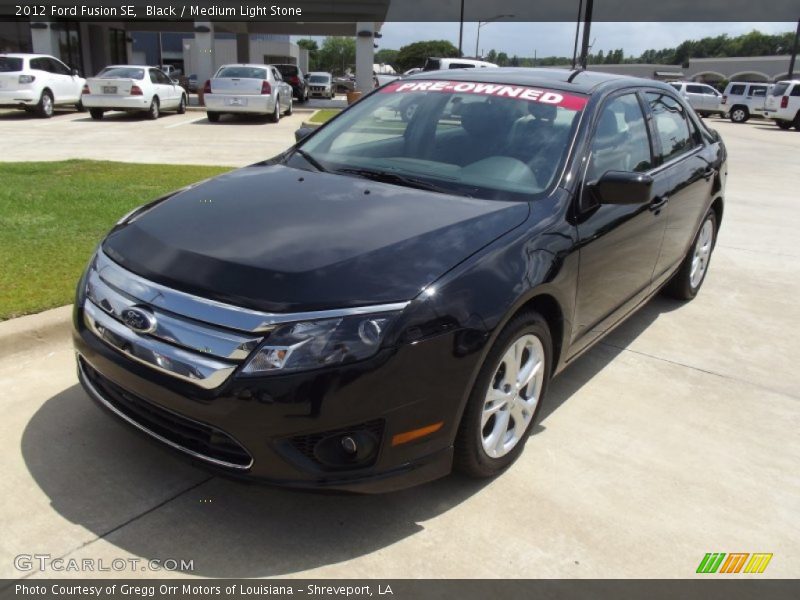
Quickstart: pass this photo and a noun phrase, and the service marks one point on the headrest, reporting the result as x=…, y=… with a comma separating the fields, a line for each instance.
x=542, y=112
x=607, y=126
x=477, y=118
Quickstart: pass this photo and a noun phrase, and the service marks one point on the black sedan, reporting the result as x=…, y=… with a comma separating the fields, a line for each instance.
x=390, y=298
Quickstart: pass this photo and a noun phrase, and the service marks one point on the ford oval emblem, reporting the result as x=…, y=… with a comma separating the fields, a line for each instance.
x=140, y=320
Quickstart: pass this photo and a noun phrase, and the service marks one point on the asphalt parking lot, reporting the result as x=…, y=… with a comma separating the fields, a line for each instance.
x=174, y=139
x=674, y=437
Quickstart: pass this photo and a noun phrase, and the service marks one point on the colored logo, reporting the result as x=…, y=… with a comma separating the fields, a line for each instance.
x=735, y=562
x=139, y=319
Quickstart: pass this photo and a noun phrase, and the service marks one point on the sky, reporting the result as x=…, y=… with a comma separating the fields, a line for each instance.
x=557, y=39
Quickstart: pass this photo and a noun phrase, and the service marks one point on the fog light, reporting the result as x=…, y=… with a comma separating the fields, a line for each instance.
x=349, y=445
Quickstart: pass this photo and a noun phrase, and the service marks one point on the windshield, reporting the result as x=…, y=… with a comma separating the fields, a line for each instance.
x=121, y=73
x=318, y=78
x=241, y=73
x=476, y=139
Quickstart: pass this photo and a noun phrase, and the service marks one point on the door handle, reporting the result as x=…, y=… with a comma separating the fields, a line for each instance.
x=658, y=203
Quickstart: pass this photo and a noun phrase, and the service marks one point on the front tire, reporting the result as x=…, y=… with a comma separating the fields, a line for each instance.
x=96, y=113
x=45, y=107
x=155, y=110
x=506, y=398
x=686, y=282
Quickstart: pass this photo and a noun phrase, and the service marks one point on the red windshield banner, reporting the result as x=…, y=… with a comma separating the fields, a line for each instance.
x=556, y=98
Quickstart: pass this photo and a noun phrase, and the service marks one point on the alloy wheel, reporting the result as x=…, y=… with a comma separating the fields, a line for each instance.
x=702, y=252
x=47, y=104
x=513, y=395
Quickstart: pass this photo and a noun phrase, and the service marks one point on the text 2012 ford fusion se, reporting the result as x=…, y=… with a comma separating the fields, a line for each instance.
x=390, y=298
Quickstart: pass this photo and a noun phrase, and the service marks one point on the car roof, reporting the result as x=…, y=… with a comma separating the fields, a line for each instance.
x=321, y=73
x=24, y=55
x=253, y=65
x=583, y=82
x=128, y=67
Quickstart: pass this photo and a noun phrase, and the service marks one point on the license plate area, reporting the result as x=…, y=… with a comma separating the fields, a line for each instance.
x=237, y=101
x=109, y=89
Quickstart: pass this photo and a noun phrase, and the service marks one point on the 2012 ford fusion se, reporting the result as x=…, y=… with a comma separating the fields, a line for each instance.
x=390, y=298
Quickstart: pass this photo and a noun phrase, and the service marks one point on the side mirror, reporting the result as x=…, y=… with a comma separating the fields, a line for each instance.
x=302, y=132
x=622, y=187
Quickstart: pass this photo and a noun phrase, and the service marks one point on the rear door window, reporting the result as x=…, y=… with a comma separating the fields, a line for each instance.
x=41, y=64
x=672, y=127
x=9, y=64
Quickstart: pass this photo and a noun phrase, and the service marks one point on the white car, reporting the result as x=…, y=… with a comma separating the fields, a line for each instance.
x=247, y=89
x=442, y=64
x=744, y=99
x=320, y=85
x=133, y=88
x=783, y=104
x=37, y=82
x=703, y=98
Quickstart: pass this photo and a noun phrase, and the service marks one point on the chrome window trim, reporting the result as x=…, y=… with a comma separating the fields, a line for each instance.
x=89, y=386
x=212, y=311
x=200, y=370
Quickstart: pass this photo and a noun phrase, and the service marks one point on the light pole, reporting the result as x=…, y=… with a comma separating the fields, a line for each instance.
x=486, y=22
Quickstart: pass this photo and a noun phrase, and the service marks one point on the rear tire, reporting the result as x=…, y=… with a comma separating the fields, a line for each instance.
x=213, y=117
x=289, y=110
x=739, y=114
x=276, y=114
x=182, y=105
x=45, y=107
x=687, y=281
x=96, y=113
x=797, y=121
x=784, y=124
x=80, y=107
x=499, y=398
x=155, y=109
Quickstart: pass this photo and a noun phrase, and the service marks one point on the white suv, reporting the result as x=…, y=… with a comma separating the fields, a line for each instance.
x=783, y=104
x=744, y=99
x=37, y=82
x=703, y=98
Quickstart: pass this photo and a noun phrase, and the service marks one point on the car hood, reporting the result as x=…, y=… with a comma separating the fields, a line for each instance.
x=275, y=238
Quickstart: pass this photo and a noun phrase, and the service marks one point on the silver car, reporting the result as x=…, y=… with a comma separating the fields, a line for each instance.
x=703, y=98
x=320, y=85
x=247, y=89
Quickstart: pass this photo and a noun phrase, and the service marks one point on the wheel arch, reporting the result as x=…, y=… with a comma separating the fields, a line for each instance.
x=718, y=206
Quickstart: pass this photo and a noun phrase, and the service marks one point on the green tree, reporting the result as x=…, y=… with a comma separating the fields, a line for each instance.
x=313, y=52
x=386, y=56
x=502, y=59
x=414, y=55
x=491, y=56
x=337, y=55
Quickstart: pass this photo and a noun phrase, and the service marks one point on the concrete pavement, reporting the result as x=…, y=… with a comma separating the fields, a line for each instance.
x=674, y=437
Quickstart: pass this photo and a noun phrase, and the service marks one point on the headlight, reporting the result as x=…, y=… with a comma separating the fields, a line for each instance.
x=314, y=344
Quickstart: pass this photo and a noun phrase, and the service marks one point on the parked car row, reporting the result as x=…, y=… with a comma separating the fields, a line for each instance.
x=742, y=100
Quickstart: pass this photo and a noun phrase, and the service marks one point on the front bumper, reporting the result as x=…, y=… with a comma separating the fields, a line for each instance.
x=268, y=424
x=228, y=103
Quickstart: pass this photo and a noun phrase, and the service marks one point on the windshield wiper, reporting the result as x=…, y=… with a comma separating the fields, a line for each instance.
x=398, y=179
x=310, y=159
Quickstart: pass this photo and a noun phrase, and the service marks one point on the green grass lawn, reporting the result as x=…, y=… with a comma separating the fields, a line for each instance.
x=53, y=214
x=324, y=115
